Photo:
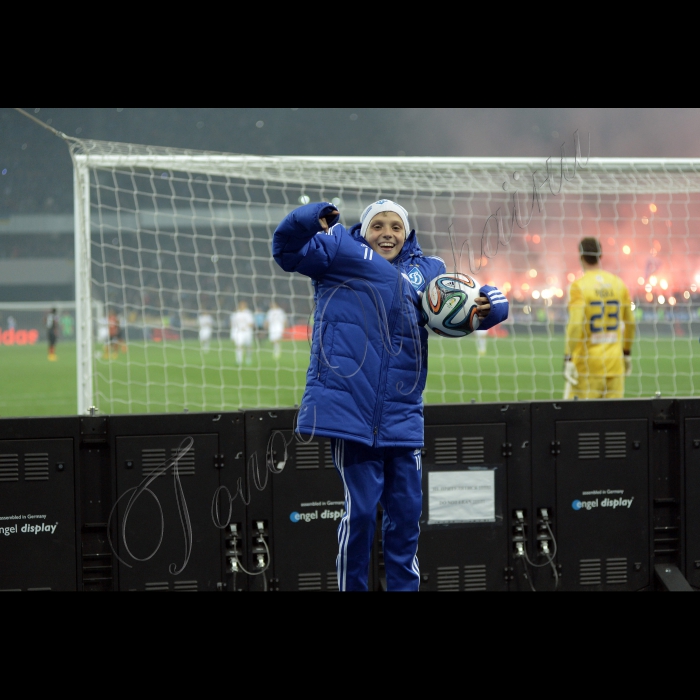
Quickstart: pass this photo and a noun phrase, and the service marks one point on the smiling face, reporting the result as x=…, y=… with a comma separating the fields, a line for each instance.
x=386, y=234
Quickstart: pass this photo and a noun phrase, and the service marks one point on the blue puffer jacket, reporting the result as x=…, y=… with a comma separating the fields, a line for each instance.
x=369, y=351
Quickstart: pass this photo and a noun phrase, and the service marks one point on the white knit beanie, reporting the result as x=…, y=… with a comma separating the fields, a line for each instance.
x=378, y=207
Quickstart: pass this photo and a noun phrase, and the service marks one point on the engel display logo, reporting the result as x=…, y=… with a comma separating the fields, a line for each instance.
x=21, y=337
x=28, y=529
x=308, y=517
x=605, y=503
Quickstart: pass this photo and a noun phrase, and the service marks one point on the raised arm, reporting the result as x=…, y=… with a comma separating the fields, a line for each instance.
x=575, y=332
x=576, y=325
x=630, y=327
x=296, y=247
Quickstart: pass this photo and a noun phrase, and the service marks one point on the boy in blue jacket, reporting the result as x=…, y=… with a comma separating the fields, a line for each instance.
x=364, y=385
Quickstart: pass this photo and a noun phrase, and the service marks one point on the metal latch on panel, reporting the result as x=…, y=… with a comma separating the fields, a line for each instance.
x=555, y=447
x=664, y=420
x=93, y=429
x=506, y=449
x=218, y=461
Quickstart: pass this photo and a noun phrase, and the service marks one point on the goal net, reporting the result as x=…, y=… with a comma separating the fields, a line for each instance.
x=166, y=237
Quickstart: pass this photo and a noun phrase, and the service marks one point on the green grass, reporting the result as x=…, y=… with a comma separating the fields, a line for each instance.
x=153, y=377
x=30, y=385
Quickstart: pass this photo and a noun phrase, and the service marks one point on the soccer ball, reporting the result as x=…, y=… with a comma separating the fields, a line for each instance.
x=449, y=306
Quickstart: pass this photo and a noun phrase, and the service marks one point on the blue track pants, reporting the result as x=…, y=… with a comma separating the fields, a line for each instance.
x=372, y=475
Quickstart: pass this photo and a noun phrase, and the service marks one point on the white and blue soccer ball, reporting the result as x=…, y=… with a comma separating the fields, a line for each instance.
x=449, y=304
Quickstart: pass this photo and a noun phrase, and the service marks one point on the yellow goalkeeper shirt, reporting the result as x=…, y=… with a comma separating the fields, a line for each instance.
x=601, y=324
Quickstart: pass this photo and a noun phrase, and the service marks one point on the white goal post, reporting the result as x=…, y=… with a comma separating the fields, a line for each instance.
x=164, y=235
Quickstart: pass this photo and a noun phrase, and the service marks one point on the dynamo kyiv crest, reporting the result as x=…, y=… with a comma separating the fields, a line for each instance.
x=416, y=278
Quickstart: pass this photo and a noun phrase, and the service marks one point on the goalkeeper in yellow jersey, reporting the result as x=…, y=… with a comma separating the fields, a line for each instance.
x=599, y=332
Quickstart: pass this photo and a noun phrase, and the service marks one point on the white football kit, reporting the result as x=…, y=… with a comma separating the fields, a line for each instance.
x=206, y=325
x=276, y=321
x=242, y=323
x=103, y=330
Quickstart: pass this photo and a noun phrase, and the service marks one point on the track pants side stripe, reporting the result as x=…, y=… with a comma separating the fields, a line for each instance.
x=344, y=529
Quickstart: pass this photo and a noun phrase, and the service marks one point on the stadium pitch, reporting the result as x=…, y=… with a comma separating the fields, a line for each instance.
x=512, y=370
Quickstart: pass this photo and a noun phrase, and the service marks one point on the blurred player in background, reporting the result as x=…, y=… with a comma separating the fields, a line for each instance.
x=259, y=318
x=275, y=322
x=67, y=325
x=483, y=336
x=103, y=335
x=121, y=333
x=480, y=342
x=52, y=333
x=113, y=328
x=242, y=325
x=600, y=330
x=206, y=326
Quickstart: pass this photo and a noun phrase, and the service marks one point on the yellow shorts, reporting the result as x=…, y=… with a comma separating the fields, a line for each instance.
x=591, y=386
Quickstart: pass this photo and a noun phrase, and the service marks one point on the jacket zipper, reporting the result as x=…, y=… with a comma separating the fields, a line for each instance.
x=385, y=362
